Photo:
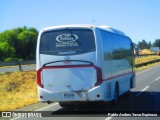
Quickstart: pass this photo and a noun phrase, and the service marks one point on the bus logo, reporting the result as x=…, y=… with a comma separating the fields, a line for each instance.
x=66, y=38
x=67, y=53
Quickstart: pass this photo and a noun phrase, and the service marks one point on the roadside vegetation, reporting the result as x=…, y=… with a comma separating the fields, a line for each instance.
x=141, y=60
x=145, y=59
x=19, y=89
x=147, y=66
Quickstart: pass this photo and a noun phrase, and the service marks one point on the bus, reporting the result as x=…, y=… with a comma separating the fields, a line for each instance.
x=83, y=63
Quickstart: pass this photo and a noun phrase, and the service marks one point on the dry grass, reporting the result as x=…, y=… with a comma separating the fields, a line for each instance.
x=17, y=89
x=145, y=51
x=146, y=59
x=147, y=66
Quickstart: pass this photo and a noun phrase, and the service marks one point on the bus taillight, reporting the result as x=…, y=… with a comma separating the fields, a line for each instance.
x=99, y=75
x=39, y=78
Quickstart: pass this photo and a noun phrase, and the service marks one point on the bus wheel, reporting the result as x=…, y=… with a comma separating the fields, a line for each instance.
x=131, y=83
x=131, y=86
x=116, y=94
x=128, y=93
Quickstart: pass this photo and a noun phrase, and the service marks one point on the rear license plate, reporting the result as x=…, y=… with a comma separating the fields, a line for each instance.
x=68, y=95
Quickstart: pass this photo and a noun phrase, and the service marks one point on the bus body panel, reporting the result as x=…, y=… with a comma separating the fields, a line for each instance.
x=69, y=79
x=109, y=86
x=118, y=62
x=90, y=95
x=83, y=57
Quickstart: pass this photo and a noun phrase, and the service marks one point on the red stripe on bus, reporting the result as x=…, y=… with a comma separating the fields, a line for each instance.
x=117, y=76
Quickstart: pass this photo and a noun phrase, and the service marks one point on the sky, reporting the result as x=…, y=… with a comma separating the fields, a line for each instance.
x=138, y=19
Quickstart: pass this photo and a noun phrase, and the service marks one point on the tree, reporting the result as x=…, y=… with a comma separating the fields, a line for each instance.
x=28, y=41
x=6, y=50
x=21, y=41
x=156, y=43
x=144, y=45
x=149, y=44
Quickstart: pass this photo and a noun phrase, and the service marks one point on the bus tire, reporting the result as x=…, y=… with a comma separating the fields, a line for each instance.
x=131, y=83
x=116, y=94
x=128, y=93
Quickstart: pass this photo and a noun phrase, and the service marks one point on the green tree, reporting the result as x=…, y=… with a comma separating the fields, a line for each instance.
x=156, y=43
x=144, y=45
x=22, y=40
x=6, y=50
x=149, y=45
x=28, y=41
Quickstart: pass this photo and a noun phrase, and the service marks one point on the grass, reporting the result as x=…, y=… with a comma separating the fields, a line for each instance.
x=147, y=66
x=19, y=89
x=146, y=59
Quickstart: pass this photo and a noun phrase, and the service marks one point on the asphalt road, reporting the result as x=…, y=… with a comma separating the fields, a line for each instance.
x=144, y=98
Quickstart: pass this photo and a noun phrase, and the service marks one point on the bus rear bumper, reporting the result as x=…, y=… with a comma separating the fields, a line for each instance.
x=94, y=94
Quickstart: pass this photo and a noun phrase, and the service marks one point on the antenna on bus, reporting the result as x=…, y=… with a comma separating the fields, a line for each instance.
x=93, y=20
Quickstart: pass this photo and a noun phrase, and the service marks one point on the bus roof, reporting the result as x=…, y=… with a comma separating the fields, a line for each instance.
x=72, y=25
x=112, y=30
x=107, y=28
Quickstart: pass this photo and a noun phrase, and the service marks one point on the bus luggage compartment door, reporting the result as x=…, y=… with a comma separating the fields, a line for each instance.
x=69, y=79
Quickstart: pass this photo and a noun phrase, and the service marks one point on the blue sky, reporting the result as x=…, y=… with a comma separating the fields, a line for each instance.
x=139, y=19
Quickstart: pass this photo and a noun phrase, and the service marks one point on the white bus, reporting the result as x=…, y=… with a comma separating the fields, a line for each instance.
x=83, y=63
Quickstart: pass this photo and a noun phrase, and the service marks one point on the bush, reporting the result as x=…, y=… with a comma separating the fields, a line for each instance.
x=13, y=60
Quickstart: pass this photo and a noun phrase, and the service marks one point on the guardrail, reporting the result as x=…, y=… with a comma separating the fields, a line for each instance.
x=24, y=62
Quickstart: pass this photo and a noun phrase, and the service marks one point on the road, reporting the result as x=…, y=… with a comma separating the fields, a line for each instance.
x=145, y=97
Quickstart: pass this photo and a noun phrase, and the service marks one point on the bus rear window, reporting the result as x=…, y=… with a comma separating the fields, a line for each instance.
x=67, y=42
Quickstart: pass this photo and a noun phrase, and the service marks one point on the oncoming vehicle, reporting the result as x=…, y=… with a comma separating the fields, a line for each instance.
x=83, y=63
